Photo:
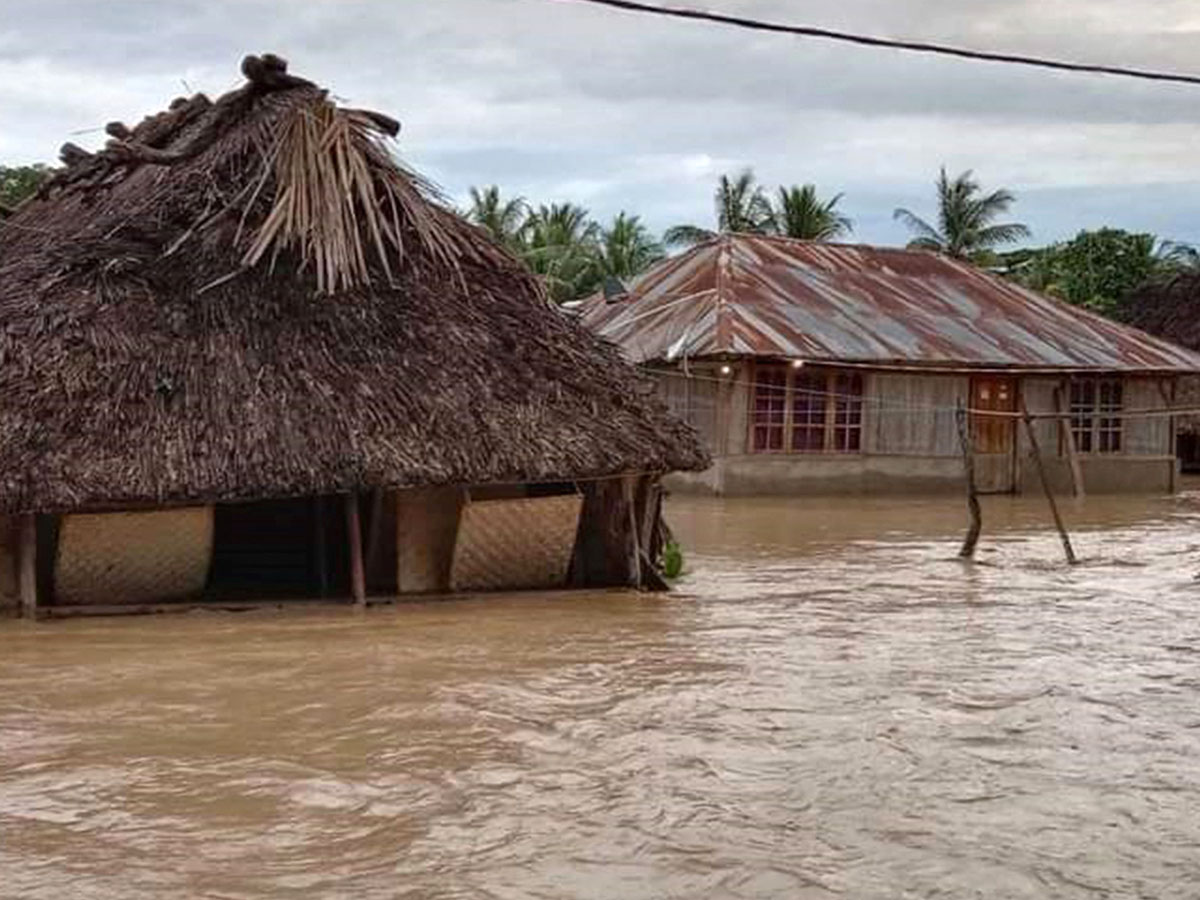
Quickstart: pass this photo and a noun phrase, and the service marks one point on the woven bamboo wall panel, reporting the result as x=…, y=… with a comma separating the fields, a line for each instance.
x=133, y=557
x=426, y=521
x=509, y=544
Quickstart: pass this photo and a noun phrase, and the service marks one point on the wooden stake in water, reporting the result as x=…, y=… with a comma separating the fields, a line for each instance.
x=964, y=439
x=1037, y=458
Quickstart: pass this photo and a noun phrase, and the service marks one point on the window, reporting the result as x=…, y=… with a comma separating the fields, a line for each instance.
x=1095, y=432
x=847, y=393
x=770, y=408
x=806, y=411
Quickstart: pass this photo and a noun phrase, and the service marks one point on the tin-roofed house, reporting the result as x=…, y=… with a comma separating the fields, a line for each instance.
x=820, y=368
x=246, y=355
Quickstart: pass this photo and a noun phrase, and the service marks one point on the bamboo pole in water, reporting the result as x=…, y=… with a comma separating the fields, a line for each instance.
x=976, y=526
x=1037, y=458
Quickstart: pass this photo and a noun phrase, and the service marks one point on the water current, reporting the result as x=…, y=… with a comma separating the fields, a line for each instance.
x=830, y=705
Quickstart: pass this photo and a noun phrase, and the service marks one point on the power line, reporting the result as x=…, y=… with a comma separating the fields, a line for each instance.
x=912, y=46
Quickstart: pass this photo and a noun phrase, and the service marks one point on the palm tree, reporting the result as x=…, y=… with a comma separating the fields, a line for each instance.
x=965, y=216
x=741, y=206
x=801, y=214
x=627, y=248
x=562, y=244
x=505, y=220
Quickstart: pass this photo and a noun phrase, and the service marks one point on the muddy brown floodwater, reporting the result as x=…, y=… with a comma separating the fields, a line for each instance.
x=832, y=706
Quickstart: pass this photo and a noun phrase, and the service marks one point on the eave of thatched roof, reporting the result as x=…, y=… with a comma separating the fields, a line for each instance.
x=1168, y=308
x=250, y=298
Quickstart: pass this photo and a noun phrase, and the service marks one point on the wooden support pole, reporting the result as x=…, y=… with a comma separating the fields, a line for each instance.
x=976, y=524
x=1168, y=399
x=1037, y=458
x=27, y=579
x=1069, y=442
x=629, y=485
x=358, y=580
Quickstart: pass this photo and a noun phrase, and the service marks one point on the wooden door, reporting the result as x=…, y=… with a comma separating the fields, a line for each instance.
x=994, y=437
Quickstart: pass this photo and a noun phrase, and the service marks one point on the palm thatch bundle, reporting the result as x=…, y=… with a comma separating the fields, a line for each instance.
x=251, y=298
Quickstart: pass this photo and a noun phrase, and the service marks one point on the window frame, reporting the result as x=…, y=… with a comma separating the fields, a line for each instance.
x=841, y=422
x=1088, y=399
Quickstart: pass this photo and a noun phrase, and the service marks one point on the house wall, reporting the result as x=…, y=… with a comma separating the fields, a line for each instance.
x=1146, y=463
x=911, y=443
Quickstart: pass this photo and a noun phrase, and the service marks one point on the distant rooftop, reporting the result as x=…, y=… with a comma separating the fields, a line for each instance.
x=752, y=295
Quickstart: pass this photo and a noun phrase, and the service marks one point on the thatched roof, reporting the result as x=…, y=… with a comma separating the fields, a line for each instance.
x=250, y=298
x=1168, y=308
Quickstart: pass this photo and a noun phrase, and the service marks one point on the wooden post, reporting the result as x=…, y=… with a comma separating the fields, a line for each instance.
x=1064, y=423
x=629, y=485
x=976, y=525
x=1168, y=398
x=27, y=579
x=358, y=581
x=1037, y=458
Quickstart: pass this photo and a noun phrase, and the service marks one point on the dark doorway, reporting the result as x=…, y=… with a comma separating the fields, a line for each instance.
x=1188, y=449
x=292, y=548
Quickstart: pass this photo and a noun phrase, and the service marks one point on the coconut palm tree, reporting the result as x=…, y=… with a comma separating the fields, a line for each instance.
x=800, y=213
x=562, y=244
x=965, y=227
x=740, y=205
x=504, y=219
x=627, y=248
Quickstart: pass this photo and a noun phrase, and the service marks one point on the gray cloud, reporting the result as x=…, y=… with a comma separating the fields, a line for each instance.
x=555, y=100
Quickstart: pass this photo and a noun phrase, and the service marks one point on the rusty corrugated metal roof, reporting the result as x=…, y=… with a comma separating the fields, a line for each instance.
x=749, y=295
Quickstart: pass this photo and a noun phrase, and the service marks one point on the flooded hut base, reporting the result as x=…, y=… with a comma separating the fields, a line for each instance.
x=371, y=547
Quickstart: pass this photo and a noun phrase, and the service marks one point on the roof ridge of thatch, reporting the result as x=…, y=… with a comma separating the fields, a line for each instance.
x=161, y=342
x=340, y=201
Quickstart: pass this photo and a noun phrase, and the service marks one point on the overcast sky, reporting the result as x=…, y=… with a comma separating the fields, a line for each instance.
x=557, y=100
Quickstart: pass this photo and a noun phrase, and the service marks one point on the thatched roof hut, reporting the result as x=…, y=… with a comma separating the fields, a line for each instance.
x=250, y=298
x=1170, y=308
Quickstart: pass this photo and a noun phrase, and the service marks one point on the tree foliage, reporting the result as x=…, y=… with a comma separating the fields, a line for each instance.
x=20, y=182
x=1098, y=269
x=627, y=248
x=966, y=226
x=739, y=204
x=742, y=206
x=503, y=219
x=800, y=213
x=561, y=243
